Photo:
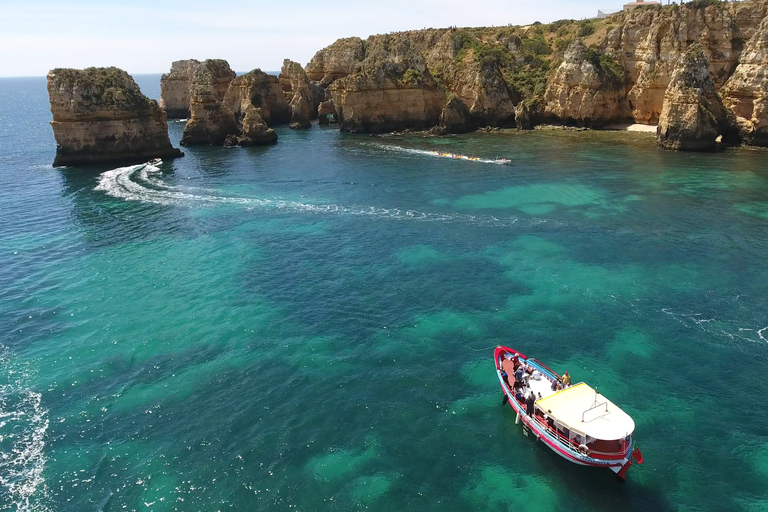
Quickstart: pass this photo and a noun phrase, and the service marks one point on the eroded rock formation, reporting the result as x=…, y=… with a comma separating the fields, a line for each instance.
x=303, y=102
x=101, y=116
x=650, y=41
x=388, y=94
x=176, y=86
x=585, y=89
x=621, y=73
x=254, y=131
x=746, y=91
x=336, y=61
x=262, y=91
x=210, y=120
x=692, y=115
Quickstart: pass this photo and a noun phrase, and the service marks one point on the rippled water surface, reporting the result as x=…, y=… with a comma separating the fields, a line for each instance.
x=310, y=326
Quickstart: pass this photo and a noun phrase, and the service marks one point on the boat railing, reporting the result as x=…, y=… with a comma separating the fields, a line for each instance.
x=543, y=368
x=573, y=445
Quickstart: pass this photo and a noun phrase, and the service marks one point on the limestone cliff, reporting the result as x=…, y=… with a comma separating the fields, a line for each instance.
x=210, y=121
x=101, y=116
x=336, y=61
x=405, y=80
x=650, y=41
x=746, y=91
x=254, y=131
x=262, y=91
x=585, y=89
x=304, y=97
x=176, y=86
x=392, y=89
x=622, y=75
x=692, y=115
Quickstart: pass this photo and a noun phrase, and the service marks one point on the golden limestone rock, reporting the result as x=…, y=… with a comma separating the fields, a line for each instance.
x=586, y=89
x=101, y=116
x=692, y=116
x=176, y=86
x=746, y=91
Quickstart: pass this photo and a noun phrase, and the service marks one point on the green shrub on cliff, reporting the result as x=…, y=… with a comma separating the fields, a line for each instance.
x=586, y=28
x=613, y=74
x=411, y=77
x=700, y=4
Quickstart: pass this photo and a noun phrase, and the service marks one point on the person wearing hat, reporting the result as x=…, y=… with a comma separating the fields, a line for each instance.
x=566, y=379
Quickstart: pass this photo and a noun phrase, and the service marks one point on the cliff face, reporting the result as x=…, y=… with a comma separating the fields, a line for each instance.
x=650, y=41
x=262, y=91
x=101, y=116
x=210, y=121
x=336, y=61
x=304, y=96
x=692, y=116
x=392, y=89
x=746, y=91
x=176, y=86
x=585, y=90
x=405, y=79
x=622, y=74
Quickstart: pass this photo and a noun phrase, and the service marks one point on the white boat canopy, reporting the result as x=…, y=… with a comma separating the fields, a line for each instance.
x=584, y=410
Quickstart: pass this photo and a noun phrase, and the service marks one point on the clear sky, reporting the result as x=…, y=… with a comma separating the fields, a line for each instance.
x=145, y=36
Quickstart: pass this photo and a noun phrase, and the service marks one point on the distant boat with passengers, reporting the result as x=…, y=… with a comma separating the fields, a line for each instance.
x=575, y=421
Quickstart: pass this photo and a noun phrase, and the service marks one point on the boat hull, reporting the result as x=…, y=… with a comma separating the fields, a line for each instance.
x=619, y=463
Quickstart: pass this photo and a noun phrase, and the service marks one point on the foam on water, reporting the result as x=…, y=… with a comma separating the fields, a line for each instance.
x=23, y=426
x=144, y=183
x=440, y=154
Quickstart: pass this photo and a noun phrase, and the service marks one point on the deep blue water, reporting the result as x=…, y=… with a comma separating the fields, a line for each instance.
x=310, y=326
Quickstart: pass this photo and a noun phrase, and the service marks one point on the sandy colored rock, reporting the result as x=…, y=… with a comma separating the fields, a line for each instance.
x=650, y=41
x=583, y=91
x=336, y=61
x=210, y=120
x=101, y=116
x=254, y=131
x=455, y=116
x=176, y=86
x=692, y=116
x=474, y=79
x=326, y=109
x=262, y=91
x=746, y=91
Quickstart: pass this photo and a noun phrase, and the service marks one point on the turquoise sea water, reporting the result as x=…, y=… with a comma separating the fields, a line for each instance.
x=310, y=326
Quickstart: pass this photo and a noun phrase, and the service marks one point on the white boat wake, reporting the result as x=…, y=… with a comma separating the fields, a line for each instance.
x=442, y=154
x=23, y=426
x=144, y=183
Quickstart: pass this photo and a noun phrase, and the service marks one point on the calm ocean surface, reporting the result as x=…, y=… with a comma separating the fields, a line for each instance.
x=310, y=326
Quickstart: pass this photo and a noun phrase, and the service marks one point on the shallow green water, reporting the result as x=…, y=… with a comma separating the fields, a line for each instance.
x=310, y=326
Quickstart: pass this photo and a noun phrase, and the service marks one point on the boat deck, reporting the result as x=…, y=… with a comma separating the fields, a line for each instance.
x=541, y=387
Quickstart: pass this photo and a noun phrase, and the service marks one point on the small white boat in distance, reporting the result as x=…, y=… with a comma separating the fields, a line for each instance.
x=576, y=422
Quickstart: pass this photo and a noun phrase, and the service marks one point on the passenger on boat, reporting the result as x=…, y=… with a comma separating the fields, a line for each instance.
x=505, y=377
x=529, y=404
x=566, y=379
x=519, y=374
x=519, y=395
x=556, y=385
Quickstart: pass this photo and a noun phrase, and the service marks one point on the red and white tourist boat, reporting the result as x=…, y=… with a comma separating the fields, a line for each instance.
x=576, y=422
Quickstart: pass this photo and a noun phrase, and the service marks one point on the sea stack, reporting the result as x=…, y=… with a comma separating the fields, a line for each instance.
x=746, y=91
x=692, y=115
x=101, y=116
x=176, y=85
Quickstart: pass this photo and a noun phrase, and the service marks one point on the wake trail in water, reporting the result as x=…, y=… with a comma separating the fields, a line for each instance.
x=144, y=183
x=441, y=154
x=23, y=425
